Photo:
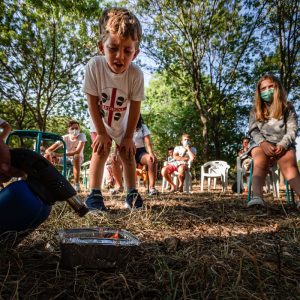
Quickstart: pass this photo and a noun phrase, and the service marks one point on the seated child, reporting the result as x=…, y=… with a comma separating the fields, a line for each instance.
x=183, y=155
x=273, y=127
x=75, y=141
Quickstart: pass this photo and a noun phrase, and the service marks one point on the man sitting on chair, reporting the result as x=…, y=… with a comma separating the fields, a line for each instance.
x=75, y=141
x=183, y=156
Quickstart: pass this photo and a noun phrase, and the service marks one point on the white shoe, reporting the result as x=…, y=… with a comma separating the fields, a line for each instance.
x=256, y=200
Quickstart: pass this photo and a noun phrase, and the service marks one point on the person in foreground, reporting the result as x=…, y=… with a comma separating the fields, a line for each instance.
x=7, y=171
x=273, y=127
x=5, y=129
x=115, y=88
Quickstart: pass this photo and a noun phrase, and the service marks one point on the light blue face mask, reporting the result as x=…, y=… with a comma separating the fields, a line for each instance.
x=267, y=96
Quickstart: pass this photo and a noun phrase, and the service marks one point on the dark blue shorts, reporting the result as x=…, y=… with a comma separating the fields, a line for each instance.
x=140, y=152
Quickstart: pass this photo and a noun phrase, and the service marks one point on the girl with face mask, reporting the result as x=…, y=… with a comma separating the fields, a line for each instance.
x=273, y=127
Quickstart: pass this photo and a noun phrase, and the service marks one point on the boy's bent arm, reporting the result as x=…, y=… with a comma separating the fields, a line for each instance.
x=102, y=142
x=95, y=114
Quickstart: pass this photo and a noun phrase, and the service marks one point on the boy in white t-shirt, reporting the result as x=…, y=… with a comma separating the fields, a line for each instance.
x=115, y=88
x=75, y=141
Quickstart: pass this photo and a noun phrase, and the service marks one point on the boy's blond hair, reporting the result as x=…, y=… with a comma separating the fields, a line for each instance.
x=185, y=135
x=120, y=21
x=279, y=103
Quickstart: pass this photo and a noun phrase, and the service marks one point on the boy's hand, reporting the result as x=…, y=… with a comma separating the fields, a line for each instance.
x=268, y=148
x=127, y=145
x=102, y=144
x=279, y=150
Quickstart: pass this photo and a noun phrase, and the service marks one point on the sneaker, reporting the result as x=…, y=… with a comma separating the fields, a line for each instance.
x=133, y=200
x=256, y=200
x=153, y=192
x=95, y=201
x=76, y=187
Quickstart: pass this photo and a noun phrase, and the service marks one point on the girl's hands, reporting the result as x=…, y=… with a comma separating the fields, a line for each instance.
x=268, y=148
x=127, y=145
x=152, y=157
x=101, y=144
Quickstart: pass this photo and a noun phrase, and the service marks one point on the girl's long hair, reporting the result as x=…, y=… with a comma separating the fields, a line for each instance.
x=139, y=123
x=278, y=105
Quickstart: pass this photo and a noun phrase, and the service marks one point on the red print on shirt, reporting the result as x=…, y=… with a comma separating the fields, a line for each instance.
x=114, y=105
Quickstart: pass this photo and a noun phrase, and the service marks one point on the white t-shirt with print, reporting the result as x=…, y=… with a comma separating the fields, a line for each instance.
x=182, y=152
x=114, y=92
x=139, y=135
x=71, y=144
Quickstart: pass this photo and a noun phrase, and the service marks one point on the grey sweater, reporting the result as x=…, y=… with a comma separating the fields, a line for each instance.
x=280, y=132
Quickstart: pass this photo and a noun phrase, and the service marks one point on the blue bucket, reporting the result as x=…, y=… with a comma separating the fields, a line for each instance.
x=20, y=208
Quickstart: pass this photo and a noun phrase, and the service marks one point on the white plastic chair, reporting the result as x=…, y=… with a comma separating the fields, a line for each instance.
x=187, y=185
x=85, y=171
x=214, y=170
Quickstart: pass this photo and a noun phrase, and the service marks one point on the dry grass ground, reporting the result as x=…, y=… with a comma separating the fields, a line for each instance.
x=196, y=246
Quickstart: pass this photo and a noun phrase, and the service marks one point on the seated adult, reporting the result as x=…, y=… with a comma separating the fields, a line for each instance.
x=182, y=155
x=144, y=154
x=75, y=141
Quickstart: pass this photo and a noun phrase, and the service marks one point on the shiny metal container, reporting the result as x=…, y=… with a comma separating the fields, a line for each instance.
x=96, y=247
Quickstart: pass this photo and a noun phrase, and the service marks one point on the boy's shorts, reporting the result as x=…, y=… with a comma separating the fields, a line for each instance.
x=171, y=168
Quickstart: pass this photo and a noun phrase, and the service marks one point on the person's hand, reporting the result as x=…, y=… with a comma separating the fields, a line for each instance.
x=152, y=157
x=127, y=145
x=7, y=171
x=54, y=159
x=101, y=144
x=268, y=148
x=279, y=150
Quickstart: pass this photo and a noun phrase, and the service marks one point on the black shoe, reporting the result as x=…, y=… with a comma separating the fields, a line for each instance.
x=133, y=200
x=95, y=201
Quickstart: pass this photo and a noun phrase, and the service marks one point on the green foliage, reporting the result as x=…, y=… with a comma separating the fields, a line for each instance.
x=205, y=48
x=44, y=46
x=169, y=113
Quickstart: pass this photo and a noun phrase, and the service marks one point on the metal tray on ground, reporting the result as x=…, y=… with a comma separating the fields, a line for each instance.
x=96, y=247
